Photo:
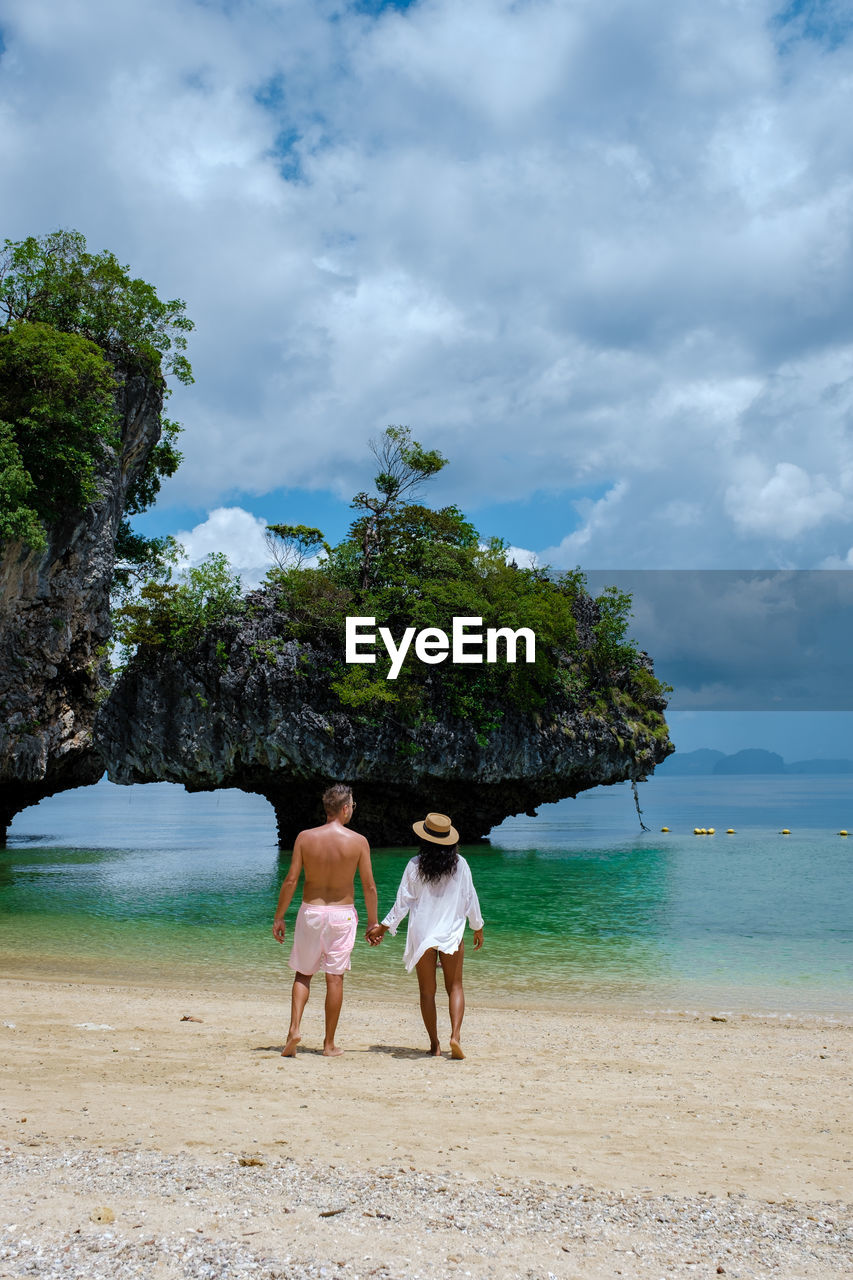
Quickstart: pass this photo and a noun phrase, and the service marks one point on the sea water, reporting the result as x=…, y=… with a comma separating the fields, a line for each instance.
x=581, y=905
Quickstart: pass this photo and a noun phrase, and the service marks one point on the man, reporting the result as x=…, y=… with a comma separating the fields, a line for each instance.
x=324, y=934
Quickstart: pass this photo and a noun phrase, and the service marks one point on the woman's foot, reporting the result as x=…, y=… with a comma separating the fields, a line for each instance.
x=289, y=1050
x=456, y=1049
x=434, y=1049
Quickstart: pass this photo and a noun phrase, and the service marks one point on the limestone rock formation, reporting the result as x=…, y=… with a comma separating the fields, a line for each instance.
x=54, y=624
x=249, y=708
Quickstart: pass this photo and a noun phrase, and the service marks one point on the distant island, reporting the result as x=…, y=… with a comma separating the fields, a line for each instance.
x=751, y=760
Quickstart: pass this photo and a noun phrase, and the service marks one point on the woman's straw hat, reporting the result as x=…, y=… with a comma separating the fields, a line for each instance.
x=437, y=828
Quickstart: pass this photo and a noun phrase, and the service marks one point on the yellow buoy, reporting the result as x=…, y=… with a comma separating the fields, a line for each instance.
x=730, y=831
x=667, y=829
x=711, y=831
x=842, y=833
x=785, y=831
x=697, y=831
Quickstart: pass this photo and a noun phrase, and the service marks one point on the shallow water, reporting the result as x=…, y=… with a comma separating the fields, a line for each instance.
x=151, y=883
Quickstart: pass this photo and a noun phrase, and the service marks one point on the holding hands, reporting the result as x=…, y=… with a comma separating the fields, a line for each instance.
x=376, y=933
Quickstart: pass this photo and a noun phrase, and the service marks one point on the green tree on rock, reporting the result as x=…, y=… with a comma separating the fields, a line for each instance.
x=73, y=326
x=404, y=465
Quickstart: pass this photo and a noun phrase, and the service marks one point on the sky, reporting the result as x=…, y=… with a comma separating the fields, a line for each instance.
x=598, y=255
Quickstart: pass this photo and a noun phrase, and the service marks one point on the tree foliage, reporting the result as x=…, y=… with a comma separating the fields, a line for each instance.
x=57, y=390
x=290, y=545
x=55, y=280
x=177, y=613
x=18, y=520
x=72, y=325
x=404, y=465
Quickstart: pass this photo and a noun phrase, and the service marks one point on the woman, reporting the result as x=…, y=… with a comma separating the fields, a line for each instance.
x=438, y=894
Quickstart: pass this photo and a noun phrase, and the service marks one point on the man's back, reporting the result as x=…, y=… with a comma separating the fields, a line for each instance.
x=330, y=856
x=326, y=922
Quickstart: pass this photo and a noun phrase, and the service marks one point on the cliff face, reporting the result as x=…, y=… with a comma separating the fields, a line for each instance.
x=54, y=622
x=250, y=709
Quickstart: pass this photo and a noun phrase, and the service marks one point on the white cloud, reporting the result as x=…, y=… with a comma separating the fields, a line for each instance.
x=599, y=247
x=522, y=557
x=237, y=534
x=783, y=504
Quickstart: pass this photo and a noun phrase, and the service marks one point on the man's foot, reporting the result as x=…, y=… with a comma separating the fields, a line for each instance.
x=434, y=1049
x=331, y=1051
x=289, y=1050
x=456, y=1049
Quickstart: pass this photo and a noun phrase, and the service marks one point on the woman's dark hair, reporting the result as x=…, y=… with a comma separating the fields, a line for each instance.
x=436, y=860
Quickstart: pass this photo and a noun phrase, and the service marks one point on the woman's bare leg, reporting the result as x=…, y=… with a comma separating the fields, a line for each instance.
x=425, y=969
x=451, y=967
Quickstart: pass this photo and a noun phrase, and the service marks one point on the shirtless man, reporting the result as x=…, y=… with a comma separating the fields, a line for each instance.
x=324, y=934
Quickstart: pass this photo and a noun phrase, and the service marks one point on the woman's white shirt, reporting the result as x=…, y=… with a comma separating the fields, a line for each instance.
x=437, y=910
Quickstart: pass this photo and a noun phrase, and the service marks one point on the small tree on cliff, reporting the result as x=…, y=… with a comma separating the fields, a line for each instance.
x=290, y=545
x=404, y=465
x=72, y=325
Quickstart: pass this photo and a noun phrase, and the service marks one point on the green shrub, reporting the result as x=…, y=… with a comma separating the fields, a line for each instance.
x=57, y=390
x=176, y=614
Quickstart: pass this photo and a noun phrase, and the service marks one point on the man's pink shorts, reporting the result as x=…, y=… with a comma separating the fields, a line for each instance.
x=323, y=938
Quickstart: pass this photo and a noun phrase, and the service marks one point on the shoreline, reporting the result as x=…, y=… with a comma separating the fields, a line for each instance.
x=575, y=1143
x=687, y=1000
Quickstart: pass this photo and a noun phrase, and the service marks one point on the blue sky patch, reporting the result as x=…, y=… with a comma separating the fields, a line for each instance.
x=281, y=506
x=825, y=22
x=541, y=520
x=285, y=152
x=271, y=93
x=376, y=7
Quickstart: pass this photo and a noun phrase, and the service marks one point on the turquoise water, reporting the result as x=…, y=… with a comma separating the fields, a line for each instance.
x=150, y=883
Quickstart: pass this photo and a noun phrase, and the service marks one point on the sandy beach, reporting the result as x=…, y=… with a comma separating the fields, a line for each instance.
x=573, y=1144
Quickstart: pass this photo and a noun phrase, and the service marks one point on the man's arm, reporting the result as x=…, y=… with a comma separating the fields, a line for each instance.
x=368, y=886
x=288, y=888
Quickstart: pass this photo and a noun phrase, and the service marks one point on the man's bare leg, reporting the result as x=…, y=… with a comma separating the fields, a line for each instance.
x=451, y=967
x=425, y=969
x=298, y=1000
x=334, y=1000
